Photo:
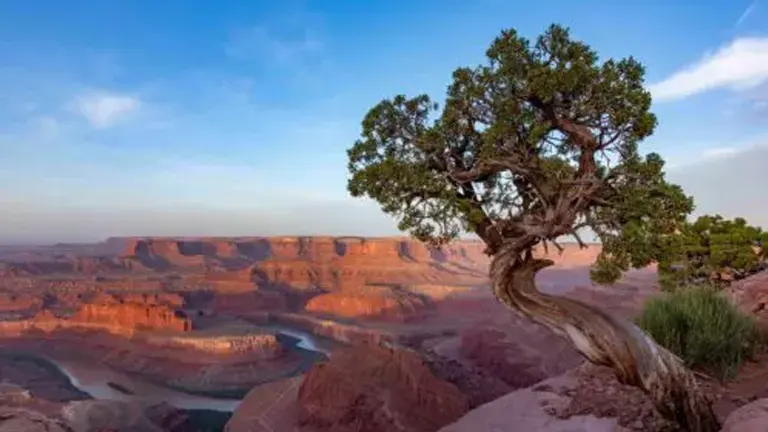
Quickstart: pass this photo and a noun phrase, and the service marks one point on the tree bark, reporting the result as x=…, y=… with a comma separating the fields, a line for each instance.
x=604, y=339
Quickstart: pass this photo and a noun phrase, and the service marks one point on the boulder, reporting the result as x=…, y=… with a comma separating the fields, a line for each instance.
x=268, y=407
x=752, y=417
x=751, y=294
x=372, y=388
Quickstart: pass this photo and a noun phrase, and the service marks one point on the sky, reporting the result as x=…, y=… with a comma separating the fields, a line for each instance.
x=138, y=117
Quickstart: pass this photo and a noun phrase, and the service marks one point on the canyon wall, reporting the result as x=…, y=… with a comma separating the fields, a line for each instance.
x=181, y=251
x=263, y=346
x=110, y=315
x=132, y=317
x=301, y=261
x=347, y=277
x=469, y=254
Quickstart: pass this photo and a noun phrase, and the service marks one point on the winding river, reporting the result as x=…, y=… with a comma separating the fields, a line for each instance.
x=92, y=378
x=306, y=341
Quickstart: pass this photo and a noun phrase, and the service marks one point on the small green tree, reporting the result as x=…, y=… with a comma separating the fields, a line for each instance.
x=712, y=250
x=539, y=143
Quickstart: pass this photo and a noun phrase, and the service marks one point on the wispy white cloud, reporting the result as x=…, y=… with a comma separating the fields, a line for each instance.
x=719, y=152
x=747, y=12
x=740, y=65
x=104, y=109
x=722, y=153
x=261, y=43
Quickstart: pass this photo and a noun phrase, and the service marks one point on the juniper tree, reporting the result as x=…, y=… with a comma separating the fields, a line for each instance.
x=540, y=142
x=712, y=250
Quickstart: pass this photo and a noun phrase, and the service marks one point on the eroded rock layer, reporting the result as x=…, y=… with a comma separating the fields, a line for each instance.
x=376, y=389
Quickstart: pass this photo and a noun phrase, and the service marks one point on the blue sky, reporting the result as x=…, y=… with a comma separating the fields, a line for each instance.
x=225, y=118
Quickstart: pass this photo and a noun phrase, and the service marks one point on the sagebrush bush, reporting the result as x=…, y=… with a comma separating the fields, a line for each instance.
x=702, y=327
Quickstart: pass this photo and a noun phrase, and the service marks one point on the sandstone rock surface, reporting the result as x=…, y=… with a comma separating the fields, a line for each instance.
x=751, y=294
x=752, y=417
x=373, y=389
x=367, y=303
x=527, y=410
x=110, y=315
x=584, y=399
x=130, y=317
x=267, y=408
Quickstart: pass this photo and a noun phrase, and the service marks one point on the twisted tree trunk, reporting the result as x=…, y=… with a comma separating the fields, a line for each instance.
x=604, y=339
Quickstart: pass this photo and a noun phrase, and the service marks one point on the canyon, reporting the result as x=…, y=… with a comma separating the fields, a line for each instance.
x=217, y=317
x=303, y=333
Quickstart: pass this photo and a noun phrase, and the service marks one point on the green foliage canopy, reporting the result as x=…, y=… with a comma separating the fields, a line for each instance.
x=713, y=250
x=538, y=143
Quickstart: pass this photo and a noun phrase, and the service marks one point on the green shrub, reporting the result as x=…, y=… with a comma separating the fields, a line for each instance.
x=702, y=327
x=712, y=250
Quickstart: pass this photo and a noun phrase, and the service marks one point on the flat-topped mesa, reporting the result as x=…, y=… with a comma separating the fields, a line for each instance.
x=254, y=248
x=136, y=246
x=169, y=250
x=307, y=248
x=318, y=248
x=131, y=317
x=312, y=248
x=175, y=248
x=221, y=247
x=466, y=251
x=382, y=249
x=283, y=247
x=415, y=250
